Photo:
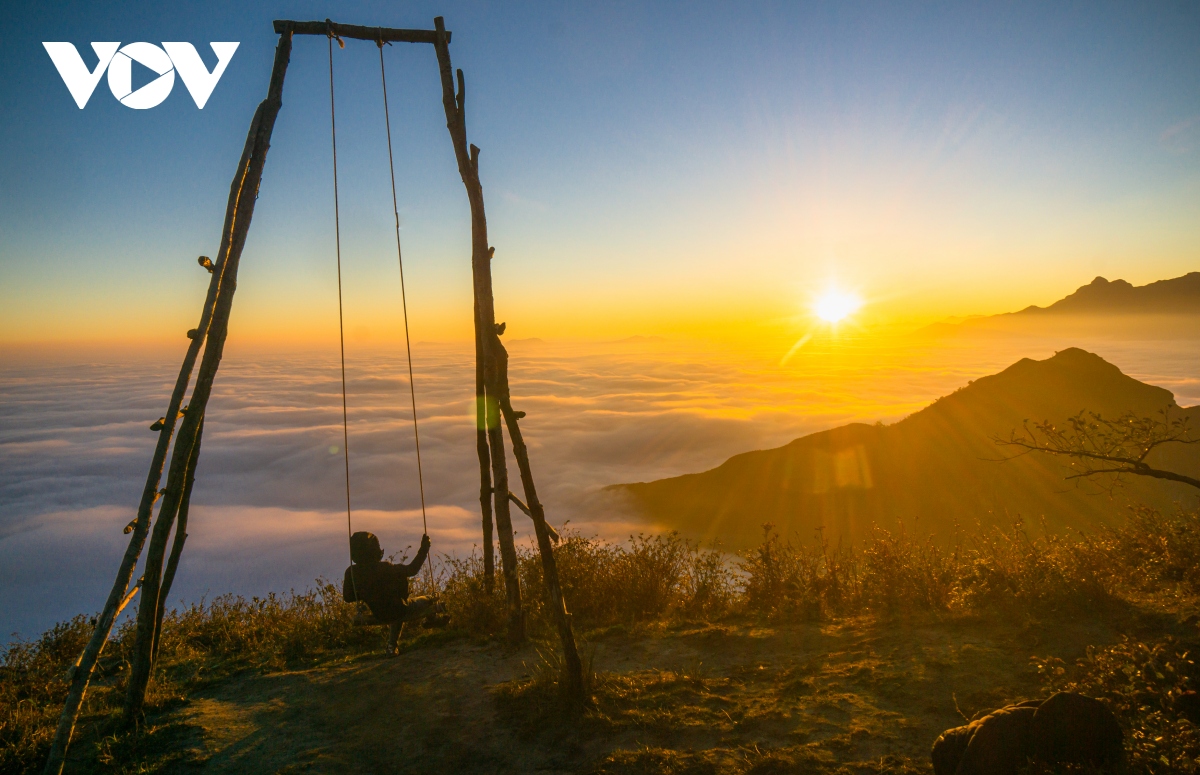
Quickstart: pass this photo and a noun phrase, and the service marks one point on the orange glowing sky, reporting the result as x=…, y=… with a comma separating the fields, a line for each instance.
x=646, y=173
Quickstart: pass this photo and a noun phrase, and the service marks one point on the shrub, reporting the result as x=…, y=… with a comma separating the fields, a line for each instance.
x=603, y=584
x=1156, y=550
x=474, y=609
x=1006, y=567
x=900, y=574
x=1148, y=687
x=32, y=687
x=651, y=578
x=275, y=631
x=785, y=579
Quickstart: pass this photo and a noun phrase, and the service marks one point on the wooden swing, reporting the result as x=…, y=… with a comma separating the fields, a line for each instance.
x=493, y=399
x=365, y=617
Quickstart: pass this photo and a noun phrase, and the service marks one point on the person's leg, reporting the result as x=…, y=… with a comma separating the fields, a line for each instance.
x=394, y=630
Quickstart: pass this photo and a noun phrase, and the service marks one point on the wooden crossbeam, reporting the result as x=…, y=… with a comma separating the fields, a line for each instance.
x=358, y=32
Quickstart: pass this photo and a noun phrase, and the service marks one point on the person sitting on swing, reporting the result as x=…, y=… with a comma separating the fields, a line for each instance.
x=383, y=586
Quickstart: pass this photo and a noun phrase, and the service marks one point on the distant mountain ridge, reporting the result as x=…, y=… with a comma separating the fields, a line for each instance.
x=1166, y=309
x=936, y=471
x=1178, y=295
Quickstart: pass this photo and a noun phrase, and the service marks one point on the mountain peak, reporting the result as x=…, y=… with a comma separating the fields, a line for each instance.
x=1103, y=296
x=1078, y=360
x=937, y=470
x=1081, y=367
x=1062, y=385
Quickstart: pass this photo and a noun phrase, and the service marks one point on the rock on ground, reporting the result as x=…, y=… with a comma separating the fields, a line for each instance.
x=1072, y=729
x=1067, y=728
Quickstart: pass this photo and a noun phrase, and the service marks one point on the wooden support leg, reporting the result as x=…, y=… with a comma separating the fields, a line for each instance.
x=243, y=194
x=117, y=597
x=180, y=537
x=485, y=474
x=151, y=605
x=485, y=322
x=572, y=666
x=508, y=549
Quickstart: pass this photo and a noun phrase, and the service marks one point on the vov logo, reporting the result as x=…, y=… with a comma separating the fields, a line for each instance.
x=118, y=60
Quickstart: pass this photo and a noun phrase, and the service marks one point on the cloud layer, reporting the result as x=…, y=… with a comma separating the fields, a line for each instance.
x=269, y=503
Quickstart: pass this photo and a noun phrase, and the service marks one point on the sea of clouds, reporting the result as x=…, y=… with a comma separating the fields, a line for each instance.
x=269, y=510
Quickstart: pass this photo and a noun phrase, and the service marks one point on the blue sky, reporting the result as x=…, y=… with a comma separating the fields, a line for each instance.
x=648, y=167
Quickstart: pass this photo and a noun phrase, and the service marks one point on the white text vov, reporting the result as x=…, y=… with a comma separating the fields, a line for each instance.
x=118, y=60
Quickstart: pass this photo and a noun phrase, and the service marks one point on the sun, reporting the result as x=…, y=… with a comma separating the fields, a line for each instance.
x=835, y=305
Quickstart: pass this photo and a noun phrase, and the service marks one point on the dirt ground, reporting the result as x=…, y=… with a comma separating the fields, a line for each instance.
x=852, y=696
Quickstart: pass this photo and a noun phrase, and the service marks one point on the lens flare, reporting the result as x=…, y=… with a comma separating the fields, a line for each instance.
x=835, y=305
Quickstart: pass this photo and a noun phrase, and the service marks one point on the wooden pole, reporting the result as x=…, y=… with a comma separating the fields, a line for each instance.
x=508, y=549
x=485, y=323
x=495, y=377
x=118, y=597
x=180, y=537
x=572, y=666
x=243, y=193
x=485, y=462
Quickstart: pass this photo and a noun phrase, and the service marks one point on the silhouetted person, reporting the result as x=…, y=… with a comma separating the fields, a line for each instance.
x=383, y=586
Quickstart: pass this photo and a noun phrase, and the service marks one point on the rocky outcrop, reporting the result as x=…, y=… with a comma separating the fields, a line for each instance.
x=1067, y=728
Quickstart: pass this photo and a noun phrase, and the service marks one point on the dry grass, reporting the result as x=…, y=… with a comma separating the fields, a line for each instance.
x=648, y=579
x=32, y=688
x=201, y=644
x=1149, y=564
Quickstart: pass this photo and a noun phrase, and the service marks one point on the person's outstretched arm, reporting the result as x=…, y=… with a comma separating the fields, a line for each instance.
x=411, y=569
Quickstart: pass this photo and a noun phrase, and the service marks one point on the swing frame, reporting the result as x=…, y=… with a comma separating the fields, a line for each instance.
x=493, y=402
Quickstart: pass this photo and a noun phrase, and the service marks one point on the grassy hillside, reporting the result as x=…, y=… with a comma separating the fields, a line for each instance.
x=789, y=658
x=936, y=471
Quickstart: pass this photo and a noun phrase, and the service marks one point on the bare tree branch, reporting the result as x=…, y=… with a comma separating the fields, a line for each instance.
x=1098, y=446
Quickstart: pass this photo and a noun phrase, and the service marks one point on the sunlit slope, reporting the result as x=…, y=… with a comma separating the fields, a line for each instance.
x=933, y=471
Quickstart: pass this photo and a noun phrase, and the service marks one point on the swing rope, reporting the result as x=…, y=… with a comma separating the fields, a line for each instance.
x=403, y=300
x=412, y=390
x=337, y=231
